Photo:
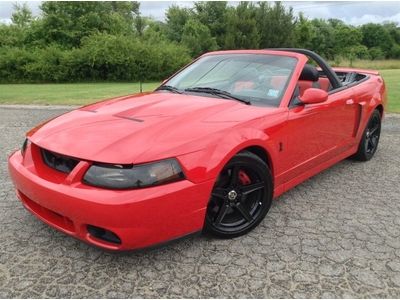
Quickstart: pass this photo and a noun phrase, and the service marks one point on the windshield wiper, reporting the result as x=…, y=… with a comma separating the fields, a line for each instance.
x=169, y=88
x=217, y=92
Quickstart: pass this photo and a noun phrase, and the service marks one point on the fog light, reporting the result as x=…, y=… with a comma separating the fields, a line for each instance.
x=103, y=234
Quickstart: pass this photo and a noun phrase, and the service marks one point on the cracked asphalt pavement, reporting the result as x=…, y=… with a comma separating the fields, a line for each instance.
x=336, y=235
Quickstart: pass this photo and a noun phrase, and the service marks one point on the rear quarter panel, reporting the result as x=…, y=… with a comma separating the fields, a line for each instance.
x=369, y=95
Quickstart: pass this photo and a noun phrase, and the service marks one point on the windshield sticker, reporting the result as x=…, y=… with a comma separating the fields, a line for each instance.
x=273, y=93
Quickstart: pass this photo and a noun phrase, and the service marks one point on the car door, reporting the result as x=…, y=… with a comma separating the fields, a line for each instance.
x=318, y=132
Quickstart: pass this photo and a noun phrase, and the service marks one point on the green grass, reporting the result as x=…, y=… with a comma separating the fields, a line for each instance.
x=68, y=93
x=392, y=78
x=83, y=93
x=384, y=64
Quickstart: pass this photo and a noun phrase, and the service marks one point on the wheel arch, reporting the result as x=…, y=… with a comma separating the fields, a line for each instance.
x=262, y=153
x=379, y=107
x=206, y=164
x=257, y=146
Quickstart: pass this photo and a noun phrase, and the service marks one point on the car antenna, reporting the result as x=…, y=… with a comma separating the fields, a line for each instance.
x=140, y=86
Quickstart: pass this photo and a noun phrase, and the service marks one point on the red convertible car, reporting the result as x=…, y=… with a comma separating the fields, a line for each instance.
x=208, y=150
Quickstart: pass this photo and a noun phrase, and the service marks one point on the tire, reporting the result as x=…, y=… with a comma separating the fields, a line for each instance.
x=241, y=197
x=370, y=138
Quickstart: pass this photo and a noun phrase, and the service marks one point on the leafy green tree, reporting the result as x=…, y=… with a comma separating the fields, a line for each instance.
x=22, y=15
x=276, y=25
x=345, y=37
x=197, y=38
x=176, y=19
x=395, y=51
x=155, y=31
x=304, y=33
x=376, y=53
x=12, y=36
x=66, y=23
x=140, y=24
x=323, y=40
x=213, y=15
x=358, y=51
x=126, y=9
x=393, y=30
x=336, y=23
x=111, y=40
x=242, y=28
x=376, y=36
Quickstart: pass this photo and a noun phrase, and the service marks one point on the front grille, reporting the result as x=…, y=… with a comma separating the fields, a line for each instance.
x=59, y=162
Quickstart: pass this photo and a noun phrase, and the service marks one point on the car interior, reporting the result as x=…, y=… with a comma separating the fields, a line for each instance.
x=313, y=77
x=310, y=78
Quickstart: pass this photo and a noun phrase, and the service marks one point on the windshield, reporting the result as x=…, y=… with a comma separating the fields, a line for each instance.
x=258, y=78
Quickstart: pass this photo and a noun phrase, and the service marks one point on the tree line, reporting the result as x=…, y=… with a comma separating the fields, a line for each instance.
x=112, y=41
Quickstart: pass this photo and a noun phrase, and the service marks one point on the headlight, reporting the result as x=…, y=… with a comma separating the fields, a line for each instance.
x=24, y=146
x=131, y=177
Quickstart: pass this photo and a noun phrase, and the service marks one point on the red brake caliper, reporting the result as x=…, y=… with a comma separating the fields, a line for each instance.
x=244, y=178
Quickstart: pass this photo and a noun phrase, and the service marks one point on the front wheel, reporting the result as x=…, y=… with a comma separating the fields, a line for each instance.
x=370, y=139
x=240, y=198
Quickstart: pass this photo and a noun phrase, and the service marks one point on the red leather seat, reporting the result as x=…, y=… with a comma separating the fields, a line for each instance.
x=324, y=83
x=278, y=82
x=308, y=79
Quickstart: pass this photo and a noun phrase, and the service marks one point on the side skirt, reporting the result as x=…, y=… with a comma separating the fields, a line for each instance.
x=306, y=175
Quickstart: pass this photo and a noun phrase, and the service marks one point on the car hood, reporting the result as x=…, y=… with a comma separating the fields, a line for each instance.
x=142, y=127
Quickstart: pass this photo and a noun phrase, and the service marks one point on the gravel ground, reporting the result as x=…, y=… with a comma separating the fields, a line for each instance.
x=336, y=235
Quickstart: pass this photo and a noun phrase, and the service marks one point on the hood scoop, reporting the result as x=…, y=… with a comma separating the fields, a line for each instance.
x=130, y=118
x=138, y=113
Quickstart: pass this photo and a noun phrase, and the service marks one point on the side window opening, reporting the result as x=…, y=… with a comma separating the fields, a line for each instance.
x=312, y=76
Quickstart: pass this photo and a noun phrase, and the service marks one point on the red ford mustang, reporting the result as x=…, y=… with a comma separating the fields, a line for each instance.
x=207, y=150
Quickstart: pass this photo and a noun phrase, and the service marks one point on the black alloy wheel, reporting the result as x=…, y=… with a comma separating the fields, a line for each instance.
x=240, y=198
x=370, y=139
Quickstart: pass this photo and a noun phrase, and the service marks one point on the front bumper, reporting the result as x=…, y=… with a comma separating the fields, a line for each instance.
x=140, y=218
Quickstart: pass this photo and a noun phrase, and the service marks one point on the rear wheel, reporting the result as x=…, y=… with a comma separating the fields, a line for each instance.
x=370, y=139
x=240, y=198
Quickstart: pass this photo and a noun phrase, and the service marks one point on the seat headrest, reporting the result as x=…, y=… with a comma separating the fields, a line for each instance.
x=309, y=73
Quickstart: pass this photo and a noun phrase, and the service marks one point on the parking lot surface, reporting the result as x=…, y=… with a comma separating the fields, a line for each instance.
x=336, y=235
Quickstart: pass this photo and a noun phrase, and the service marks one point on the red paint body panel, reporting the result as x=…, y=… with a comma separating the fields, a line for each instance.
x=202, y=133
x=139, y=217
x=153, y=123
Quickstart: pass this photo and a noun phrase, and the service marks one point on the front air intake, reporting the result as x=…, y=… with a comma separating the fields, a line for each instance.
x=59, y=162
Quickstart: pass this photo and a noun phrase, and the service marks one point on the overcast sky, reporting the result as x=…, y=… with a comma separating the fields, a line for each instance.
x=352, y=12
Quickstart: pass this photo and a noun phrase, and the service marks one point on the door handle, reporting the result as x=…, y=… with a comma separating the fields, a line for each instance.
x=350, y=102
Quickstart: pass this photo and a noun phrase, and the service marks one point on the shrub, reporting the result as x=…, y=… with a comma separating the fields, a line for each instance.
x=395, y=51
x=48, y=65
x=111, y=57
x=101, y=57
x=13, y=62
x=376, y=53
